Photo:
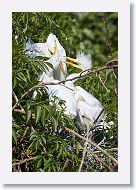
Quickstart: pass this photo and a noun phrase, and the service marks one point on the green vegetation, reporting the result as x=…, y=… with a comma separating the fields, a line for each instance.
x=38, y=144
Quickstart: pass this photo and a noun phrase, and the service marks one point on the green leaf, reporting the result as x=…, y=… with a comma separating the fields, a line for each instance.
x=14, y=83
x=49, y=64
x=22, y=77
x=41, y=65
x=33, y=135
x=14, y=135
x=38, y=163
x=47, y=164
x=44, y=115
x=27, y=106
x=53, y=168
x=41, y=58
x=115, y=54
x=38, y=113
x=30, y=149
x=28, y=115
x=38, y=157
x=36, y=146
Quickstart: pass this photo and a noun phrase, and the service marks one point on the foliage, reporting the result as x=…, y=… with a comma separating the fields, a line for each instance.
x=39, y=132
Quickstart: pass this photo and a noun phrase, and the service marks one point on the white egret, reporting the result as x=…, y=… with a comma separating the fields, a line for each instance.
x=56, y=54
x=63, y=93
x=79, y=103
x=53, y=50
x=90, y=109
x=88, y=106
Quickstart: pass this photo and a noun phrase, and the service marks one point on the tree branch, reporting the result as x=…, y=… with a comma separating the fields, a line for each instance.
x=23, y=161
x=16, y=99
x=84, y=151
x=93, y=144
x=81, y=75
x=23, y=95
x=101, y=161
x=65, y=164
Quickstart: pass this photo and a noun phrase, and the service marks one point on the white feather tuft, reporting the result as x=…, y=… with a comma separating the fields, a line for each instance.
x=84, y=60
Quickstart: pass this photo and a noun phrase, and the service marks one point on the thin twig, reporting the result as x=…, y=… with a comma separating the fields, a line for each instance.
x=99, y=76
x=88, y=72
x=16, y=99
x=114, y=73
x=108, y=41
x=65, y=164
x=23, y=112
x=23, y=161
x=98, y=147
x=97, y=118
x=26, y=93
x=86, y=143
x=94, y=124
x=93, y=144
x=111, y=149
x=81, y=75
x=19, y=111
x=101, y=161
x=84, y=151
x=24, y=134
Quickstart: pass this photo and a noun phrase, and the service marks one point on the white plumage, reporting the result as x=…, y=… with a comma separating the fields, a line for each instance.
x=84, y=61
x=64, y=93
x=53, y=50
x=88, y=106
x=37, y=49
x=79, y=104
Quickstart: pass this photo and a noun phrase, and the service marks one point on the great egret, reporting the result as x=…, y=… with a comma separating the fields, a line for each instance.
x=53, y=50
x=79, y=103
x=66, y=94
x=88, y=106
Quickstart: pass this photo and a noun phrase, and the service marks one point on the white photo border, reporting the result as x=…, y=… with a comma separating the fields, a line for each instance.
x=123, y=174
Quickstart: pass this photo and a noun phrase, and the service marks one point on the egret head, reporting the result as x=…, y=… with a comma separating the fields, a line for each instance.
x=54, y=46
x=52, y=43
x=82, y=61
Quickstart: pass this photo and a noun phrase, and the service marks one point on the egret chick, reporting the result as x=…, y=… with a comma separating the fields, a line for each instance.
x=64, y=93
x=88, y=106
x=53, y=50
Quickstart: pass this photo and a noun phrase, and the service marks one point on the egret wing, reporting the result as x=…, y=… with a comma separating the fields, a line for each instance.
x=87, y=97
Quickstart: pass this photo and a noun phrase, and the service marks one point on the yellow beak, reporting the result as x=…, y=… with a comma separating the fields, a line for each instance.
x=73, y=62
